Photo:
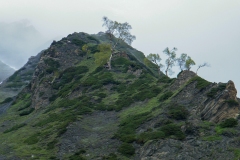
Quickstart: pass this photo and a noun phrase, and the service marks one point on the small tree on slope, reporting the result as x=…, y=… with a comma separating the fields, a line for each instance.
x=155, y=58
x=170, y=61
x=121, y=31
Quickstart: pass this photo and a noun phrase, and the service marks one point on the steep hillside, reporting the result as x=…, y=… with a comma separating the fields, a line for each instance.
x=5, y=71
x=75, y=109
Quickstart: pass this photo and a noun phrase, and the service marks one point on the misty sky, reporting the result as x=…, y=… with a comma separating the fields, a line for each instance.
x=208, y=31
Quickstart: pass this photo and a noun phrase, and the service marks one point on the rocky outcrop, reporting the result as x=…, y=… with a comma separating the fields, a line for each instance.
x=191, y=149
x=182, y=78
x=224, y=106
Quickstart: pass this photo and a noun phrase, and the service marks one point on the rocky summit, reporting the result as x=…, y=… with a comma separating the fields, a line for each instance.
x=67, y=104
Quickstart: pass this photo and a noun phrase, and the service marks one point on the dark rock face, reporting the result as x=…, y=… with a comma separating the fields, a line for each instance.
x=214, y=109
x=220, y=108
x=94, y=134
x=191, y=149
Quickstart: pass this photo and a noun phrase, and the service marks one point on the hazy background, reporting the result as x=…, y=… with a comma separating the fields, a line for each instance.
x=208, y=31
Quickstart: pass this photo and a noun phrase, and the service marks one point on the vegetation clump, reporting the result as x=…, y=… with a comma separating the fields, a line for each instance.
x=228, y=123
x=173, y=130
x=178, y=112
x=165, y=96
x=7, y=100
x=126, y=149
x=150, y=135
x=201, y=83
x=232, y=102
x=16, y=127
x=78, y=155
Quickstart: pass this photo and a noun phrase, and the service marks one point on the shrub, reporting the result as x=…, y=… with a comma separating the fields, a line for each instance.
x=165, y=96
x=27, y=104
x=78, y=155
x=53, y=98
x=126, y=149
x=101, y=95
x=165, y=79
x=111, y=156
x=144, y=137
x=231, y=122
x=52, y=144
x=7, y=100
x=178, y=112
x=173, y=130
x=27, y=112
x=32, y=139
x=14, y=128
x=52, y=63
x=232, y=102
x=126, y=131
x=78, y=42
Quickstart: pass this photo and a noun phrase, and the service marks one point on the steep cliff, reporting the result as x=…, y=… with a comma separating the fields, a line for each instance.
x=73, y=108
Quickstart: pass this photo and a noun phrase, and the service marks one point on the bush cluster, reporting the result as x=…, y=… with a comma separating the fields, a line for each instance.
x=178, y=112
x=201, y=83
x=126, y=149
x=165, y=96
x=231, y=122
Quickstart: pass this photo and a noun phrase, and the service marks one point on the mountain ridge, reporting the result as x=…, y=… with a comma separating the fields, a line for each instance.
x=73, y=108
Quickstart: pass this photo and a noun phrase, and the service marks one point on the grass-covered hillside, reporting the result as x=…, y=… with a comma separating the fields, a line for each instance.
x=75, y=109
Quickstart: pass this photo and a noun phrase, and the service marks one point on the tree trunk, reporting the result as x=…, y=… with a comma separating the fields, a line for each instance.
x=197, y=70
x=109, y=62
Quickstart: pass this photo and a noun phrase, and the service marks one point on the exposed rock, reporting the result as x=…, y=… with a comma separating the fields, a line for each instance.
x=182, y=78
x=184, y=150
x=221, y=108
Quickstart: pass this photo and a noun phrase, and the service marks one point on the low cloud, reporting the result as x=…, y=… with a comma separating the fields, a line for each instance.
x=18, y=41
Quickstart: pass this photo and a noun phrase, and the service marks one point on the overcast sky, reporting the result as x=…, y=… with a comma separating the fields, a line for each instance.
x=208, y=31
